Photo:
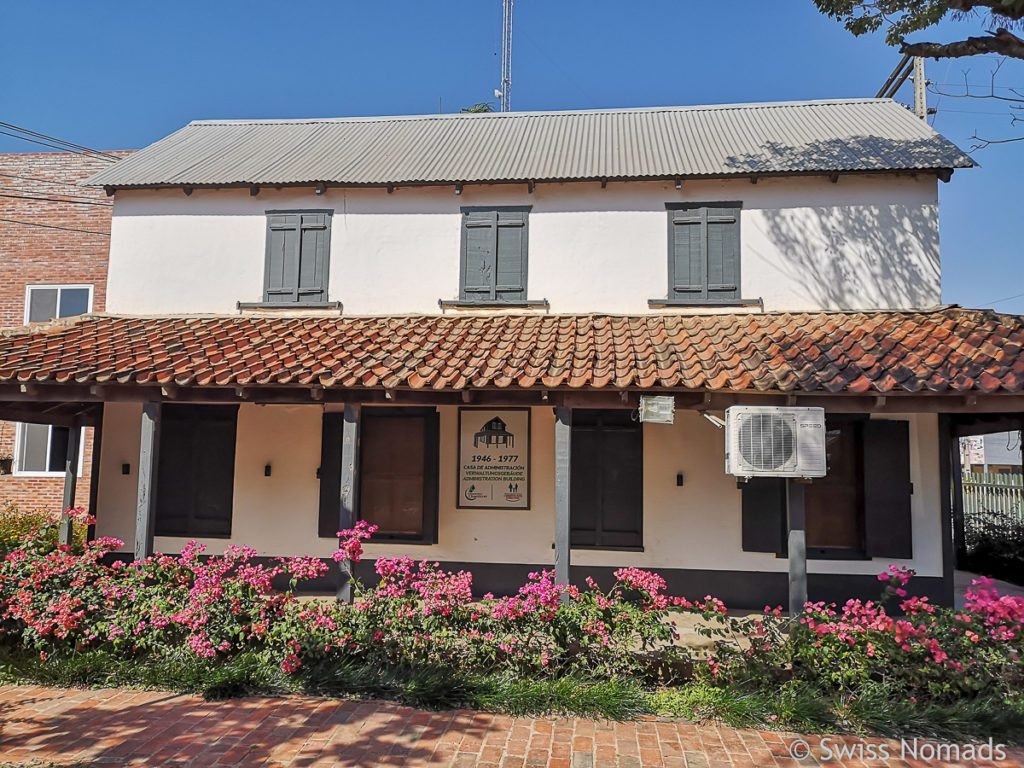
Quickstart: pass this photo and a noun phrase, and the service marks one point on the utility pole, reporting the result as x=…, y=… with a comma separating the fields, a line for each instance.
x=506, y=55
x=920, y=92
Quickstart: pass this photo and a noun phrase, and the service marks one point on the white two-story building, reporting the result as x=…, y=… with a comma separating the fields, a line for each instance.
x=443, y=325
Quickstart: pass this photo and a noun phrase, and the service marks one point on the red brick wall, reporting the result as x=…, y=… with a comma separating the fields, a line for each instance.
x=37, y=255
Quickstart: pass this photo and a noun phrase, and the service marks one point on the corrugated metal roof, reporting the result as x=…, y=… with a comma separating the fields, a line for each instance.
x=666, y=142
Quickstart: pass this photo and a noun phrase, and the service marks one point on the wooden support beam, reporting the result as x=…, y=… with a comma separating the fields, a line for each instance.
x=317, y=393
x=146, y=499
x=70, y=481
x=563, y=462
x=170, y=391
x=348, y=510
x=797, y=546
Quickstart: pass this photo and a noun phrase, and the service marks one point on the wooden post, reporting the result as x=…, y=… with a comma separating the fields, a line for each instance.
x=70, y=481
x=563, y=462
x=146, y=499
x=797, y=546
x=951, y=501
x=348, y=509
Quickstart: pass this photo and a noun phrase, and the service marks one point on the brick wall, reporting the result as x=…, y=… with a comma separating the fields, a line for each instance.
x=42, y=255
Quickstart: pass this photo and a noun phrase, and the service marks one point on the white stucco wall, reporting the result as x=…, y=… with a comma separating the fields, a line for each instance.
x=696, y=526
x=864, y=242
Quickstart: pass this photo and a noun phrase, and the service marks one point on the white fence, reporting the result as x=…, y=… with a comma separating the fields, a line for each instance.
x=992, y=501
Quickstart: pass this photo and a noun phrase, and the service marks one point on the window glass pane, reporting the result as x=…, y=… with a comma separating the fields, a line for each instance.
x=73, y=301
x=393, y=460
x=35, y=439
x=42, y=304
x=58, y=448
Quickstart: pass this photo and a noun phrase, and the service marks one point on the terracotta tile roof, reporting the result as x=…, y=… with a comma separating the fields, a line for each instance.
x=947, y=349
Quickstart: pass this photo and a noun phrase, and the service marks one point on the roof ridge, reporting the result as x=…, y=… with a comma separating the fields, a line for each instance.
x=540, y=113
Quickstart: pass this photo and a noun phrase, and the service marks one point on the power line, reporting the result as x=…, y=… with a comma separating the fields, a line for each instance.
x=53, y=226
x=1000, y=301
x=74, y=147
x=47, y=193
x=42, y=181
x=55, y=200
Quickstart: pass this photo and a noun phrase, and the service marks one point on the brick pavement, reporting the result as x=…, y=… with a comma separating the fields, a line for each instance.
x=46, y=726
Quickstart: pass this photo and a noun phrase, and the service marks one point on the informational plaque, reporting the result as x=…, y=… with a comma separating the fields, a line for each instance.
x=494, y=458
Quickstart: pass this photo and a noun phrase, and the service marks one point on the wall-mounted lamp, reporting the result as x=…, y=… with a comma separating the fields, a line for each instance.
x=320, y=188
x=126, y=469
x=266, y=471
x=679, y=479
x=714, y=419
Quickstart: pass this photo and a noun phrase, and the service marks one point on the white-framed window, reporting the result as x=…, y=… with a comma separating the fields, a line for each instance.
x=46, y=302
x=41, y=449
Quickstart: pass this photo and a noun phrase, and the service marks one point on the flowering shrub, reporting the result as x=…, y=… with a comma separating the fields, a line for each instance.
x=16, y=523
x=58, y=602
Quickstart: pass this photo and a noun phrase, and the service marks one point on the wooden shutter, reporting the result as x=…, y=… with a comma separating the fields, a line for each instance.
x=606, y=483
x=297, y=261
x=686, y=263
x=704, y=253
x=312, y=268
x=196, y=470
x=764, y=524
x=479, y=255
x=511, y=256
x=723, y=253
x=887, y=489
x=330, y=475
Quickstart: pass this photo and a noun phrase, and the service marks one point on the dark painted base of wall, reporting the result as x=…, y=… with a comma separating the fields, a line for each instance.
x=737, y=589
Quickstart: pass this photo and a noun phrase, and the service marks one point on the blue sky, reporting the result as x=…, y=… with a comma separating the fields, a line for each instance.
x=122, y=74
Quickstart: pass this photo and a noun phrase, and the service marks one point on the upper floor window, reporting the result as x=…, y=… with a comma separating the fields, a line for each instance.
x=494, y=255
x=704, y=253
x=46, y=302
x=298, y=257
x=41, y=448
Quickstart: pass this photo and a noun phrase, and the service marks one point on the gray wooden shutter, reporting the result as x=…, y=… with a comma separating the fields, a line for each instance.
x=511, y=256
x=479, y=255
x=704, y=254
x=723, y=253
x=312, y=268
x=330, y=476
x=297, y=261
x=280, y=276
x=764, y=524
x=686, y=263
x=887, y=489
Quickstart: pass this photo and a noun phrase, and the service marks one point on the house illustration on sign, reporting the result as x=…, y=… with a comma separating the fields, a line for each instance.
x=494, y=433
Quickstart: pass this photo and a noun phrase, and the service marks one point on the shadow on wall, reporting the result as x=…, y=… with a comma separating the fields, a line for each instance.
x=845, y=257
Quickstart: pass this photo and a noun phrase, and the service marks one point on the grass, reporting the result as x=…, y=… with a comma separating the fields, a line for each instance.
x=793, y=706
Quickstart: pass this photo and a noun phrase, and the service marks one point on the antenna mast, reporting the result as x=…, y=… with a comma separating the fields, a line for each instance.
x=506, y=55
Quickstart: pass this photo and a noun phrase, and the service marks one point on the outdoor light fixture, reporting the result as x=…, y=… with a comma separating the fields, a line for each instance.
x=714, y=419
x=660, y=409
x=266, y=471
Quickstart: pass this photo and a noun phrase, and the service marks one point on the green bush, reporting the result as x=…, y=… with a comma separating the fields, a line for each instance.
x=42, y=525
x=995, y=548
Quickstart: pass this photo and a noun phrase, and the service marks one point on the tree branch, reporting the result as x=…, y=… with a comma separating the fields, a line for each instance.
x=1002, y=43
x=1013, y=10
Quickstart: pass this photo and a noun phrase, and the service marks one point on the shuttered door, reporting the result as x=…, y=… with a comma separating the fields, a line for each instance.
x=606, y=483
x=330, y=475
x=887, y=489
x=196, y=470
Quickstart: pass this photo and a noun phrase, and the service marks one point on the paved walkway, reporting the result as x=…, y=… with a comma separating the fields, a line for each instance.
x=46, y=726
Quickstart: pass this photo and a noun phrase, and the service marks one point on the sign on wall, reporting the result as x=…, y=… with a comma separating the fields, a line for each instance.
x=494, y=458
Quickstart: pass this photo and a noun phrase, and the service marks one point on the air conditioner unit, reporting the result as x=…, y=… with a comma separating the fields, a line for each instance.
x=774, y=441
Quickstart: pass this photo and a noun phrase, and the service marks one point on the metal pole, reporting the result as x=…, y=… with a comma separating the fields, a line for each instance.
x=70, y=481
x=563, y=478
x=797, y=547
x=146, y=499
x=349, y=491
